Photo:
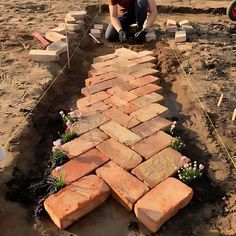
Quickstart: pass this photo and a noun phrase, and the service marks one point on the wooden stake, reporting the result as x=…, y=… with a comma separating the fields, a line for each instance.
x=100, y=6
x=68, y=49
x=220, y=100
x=234, y=115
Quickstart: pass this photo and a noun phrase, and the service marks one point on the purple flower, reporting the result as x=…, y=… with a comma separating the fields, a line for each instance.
x=58, y=168
x=57, y=143
x=80, y=115
x=68, y=123
x=61, y=113
x=201, y=167
x=186, y=165
x=183, y=158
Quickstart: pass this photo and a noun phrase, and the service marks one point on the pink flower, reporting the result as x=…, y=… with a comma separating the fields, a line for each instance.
x=58, y=169
x=80, y=115
x=186, y=165
x=57, y=143
x=201, y=167
x=183, y=158
x=68, y=123
x=61, y=113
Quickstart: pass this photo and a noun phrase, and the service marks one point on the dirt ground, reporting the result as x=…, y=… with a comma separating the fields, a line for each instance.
x=209, y=60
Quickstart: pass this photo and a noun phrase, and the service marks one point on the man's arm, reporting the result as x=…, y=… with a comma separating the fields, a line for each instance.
x=152, y=15
x=114, y=17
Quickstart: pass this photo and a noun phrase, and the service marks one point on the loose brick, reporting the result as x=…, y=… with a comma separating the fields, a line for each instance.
x=121, y=93
x=76, y=200
x=120, y=133
x=145, y=80
x=88, y=123
x=146, y=89
x=150, y=127
x=72, y=27
x=78, y=15
x=125, y=187
x=96, y=33
x=120, y=154
x=187, y=28
x=81, y=166
x=172, y=29
x=145, y=53
x=123, y=105
x=180, y=36
x=121, y=118
x=98, y=26
x=54, y=36
x=60, y=30
x=94, y=108
x=43, y=55
x=148, y=71
x=84, y=143
x=97, y=87
x=99, y=79
x=153, y=144
x=184, y=22
x=162, y=202
x=89, y=100
x=58, y=47
x=149, y=112
x=171, y=23
x=148, y=99
x=69, y=19
x=159, y=167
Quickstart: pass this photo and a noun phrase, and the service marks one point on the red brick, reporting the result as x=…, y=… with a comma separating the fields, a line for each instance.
x=76, y=200
x=152, y=126
x=97, y=87
x=148, y=99
x=121, y=118
x=87, y=123
x=100, y=78
x=84, y=143
x=123, y=105
x=81, y=166
x=126, y=53
x=145, y=53
x=148, y=71
x=149, y=112
x=146, y=59
x=153, y=144
x=124, y=84
x=121, y=93
x=145, y=80
x=162, y=202
x=104, y=58
x=120, y=154
x=125, y=187
x=91, y=99
x=159, y=167
x=94, y=108
x=146, y=89
x=120, y=133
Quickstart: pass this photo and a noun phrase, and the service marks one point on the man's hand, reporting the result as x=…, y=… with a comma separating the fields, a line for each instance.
x=139, y=37
x=122, y=36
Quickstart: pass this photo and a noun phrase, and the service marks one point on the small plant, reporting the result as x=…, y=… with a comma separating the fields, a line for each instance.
x=178, y=144
x=55, y=183
x=68, y=136
x=190, y=172
x=172, y=128
x=58, y=157
x=71, y=117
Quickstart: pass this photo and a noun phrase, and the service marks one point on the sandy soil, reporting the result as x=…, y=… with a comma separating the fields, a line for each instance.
x=209, y=58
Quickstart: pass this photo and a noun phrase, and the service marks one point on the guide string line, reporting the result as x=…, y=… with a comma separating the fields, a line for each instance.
x=200, y=103
x=51, y=84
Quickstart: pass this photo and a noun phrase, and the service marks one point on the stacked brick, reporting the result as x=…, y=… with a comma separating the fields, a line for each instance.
x=122, y=147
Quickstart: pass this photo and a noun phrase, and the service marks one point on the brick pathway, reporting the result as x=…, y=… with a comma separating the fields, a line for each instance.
x=122, y=140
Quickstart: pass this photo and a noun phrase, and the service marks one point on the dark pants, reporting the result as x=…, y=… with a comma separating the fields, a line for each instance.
x=137, y=15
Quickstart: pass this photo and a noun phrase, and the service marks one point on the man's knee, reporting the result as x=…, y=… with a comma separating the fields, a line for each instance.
x=111, y=34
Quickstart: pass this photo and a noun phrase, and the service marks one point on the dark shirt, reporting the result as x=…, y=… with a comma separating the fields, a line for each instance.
x=123, y=5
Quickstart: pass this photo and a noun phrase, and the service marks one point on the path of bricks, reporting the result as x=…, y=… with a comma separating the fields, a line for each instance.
x=122, y=148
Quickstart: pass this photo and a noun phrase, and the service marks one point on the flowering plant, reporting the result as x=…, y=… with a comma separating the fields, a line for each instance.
x=71, y=117
x=68, y=136
x=190, y=172
x=58, y=157
x=177, y=144
x=55, y=183
x=172, y=128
